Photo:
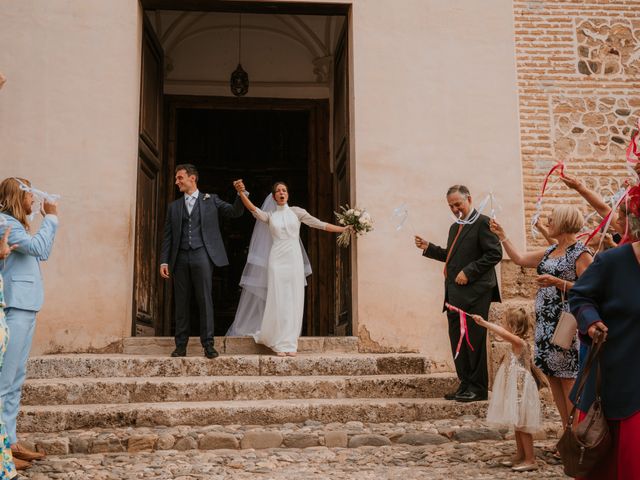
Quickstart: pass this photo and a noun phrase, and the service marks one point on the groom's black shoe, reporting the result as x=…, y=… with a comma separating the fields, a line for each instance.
x=209, y=351
x=454, y=394
x=470, y=396
x=179, y=352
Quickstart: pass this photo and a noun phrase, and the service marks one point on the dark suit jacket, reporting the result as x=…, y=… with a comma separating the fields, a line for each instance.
x=609, y=291
x=209, y=209
x=476, y=253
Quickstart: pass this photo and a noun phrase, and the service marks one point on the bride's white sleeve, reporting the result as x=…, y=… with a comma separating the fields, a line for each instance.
x=260, y=215
x=308, y=219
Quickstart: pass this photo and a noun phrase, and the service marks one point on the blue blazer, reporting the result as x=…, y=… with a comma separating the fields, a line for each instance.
x=21, y=270
x=608, y=291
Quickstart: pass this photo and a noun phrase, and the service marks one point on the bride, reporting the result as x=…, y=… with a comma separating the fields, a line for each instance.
x=272, y=299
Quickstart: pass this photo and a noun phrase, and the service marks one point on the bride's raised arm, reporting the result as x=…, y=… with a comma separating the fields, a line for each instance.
x=248, y=204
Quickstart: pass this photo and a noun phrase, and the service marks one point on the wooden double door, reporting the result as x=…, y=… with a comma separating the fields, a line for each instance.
x=261, y=141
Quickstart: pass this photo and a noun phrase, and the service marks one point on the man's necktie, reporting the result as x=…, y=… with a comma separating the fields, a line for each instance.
x=451, y=249
x=191, y=201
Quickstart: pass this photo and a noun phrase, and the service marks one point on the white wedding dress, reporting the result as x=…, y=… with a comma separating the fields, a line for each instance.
x=282, y=320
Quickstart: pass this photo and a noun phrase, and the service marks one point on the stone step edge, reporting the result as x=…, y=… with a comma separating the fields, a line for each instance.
x=236, y=378
x=55, y=418
x=120, y=390
x=98, y=365
x=330, y=436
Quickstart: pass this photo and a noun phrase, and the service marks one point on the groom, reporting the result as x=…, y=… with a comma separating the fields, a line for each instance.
x=191, y=246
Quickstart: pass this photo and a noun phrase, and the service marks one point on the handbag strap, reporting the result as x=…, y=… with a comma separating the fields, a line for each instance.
x=594, y=352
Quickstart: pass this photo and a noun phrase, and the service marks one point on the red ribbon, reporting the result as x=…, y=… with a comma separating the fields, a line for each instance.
x=632, y=149
x=558, y=166
x=605, y=221
x=464, y=331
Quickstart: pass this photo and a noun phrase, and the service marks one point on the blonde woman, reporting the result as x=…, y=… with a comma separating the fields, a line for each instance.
x=558, y=267
x=23, y=294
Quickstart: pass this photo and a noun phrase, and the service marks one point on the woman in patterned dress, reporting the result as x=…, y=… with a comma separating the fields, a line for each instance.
x=558, y=267
x=7, y=467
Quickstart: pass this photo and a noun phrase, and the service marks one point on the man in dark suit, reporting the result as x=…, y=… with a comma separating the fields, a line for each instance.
x=191, y=246
x=471, y=285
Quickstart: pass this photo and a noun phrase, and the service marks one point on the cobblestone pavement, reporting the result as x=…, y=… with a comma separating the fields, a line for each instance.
x=475, y=460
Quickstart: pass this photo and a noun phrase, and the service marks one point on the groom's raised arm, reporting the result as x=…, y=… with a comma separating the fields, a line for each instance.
x=234, y=210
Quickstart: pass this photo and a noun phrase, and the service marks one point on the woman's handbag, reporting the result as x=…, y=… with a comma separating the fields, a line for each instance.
x=565, y=333
x=582, y=447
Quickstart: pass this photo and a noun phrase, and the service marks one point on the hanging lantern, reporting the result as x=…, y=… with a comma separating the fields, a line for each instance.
x=239, y=81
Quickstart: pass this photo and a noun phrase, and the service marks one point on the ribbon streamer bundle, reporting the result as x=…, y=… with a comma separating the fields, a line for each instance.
x=39, y=194
x=490, y=200
x=603, y=226
x=401, y=216
x=536, y=216
x=464, y=331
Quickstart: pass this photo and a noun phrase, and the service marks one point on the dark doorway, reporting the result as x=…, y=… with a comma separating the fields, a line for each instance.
x=261, y=141
x=259, y=146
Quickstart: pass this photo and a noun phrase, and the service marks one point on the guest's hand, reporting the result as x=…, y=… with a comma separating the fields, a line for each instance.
x=497, y=229
x=547, y=280
x=5, y=249
x=164, y=271
x=421, y=243
x=572, y=182
x=461, y=278
x=50, y=208
x=598, y=326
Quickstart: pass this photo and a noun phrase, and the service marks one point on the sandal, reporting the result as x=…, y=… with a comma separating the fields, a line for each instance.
x=292, y=354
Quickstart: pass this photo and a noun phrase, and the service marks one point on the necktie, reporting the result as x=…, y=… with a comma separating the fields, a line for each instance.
x=191, y=201
x=451, y=249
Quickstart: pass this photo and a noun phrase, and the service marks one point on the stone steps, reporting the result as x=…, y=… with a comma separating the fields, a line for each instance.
x=236, y=345
x=56, y=418
x=79, y=391
x=309, y=434
x=120, y=365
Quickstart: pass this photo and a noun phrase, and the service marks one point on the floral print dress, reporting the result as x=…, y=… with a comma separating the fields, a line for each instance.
x=551, y=359
x=7, y=468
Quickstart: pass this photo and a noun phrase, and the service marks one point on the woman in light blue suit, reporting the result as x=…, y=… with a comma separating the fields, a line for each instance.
x=23, y=294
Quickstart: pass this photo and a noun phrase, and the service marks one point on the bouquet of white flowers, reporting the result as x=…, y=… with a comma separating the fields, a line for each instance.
x=357, y=218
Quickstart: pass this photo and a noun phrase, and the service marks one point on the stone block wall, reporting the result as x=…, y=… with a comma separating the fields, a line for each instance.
x=578, y=68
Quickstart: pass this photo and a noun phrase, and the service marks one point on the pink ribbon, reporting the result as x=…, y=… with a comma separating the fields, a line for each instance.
x=632, y=149
x=464, y=331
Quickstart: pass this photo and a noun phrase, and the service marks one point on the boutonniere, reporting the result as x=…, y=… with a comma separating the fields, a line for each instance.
x=206, y=196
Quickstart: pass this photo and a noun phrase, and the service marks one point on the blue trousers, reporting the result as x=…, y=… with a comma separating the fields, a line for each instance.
x=21, y=325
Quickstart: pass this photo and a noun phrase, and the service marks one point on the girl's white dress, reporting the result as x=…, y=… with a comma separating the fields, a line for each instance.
x=515, y=400
x=282, y=320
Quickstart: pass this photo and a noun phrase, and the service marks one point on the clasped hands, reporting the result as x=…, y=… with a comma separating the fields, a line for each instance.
x=239, y=185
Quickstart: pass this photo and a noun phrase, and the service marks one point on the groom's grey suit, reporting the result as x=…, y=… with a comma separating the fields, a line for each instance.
x=191, y=246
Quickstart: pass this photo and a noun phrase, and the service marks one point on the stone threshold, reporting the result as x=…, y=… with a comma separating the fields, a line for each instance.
x=236, y=345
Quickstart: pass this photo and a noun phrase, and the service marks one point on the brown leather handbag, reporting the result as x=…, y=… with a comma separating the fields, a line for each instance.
x=582, y=447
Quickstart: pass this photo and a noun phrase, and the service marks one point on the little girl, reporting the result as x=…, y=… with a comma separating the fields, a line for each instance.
x=515, y=399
